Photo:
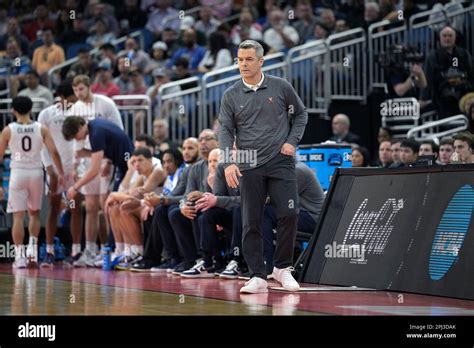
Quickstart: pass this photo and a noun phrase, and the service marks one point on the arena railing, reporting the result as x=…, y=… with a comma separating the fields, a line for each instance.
x=432, y=130
x=6, y=114
x=380, y=39
x=136, y=113
x=346, y=66
x=180, y=106
x=93, y=52
x=214, y=83
x=306, y=72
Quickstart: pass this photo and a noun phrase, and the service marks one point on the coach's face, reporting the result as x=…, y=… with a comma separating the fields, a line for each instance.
x=250, y=65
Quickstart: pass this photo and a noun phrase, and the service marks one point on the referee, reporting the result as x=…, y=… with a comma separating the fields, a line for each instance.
x=266, y=118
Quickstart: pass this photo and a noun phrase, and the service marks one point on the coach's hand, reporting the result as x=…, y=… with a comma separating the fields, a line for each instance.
x=188, y=210
x=232, y=174
x=288, y=149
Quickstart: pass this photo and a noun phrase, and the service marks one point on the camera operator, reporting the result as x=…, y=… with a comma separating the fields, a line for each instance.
x=450, y=74
x=404, y=73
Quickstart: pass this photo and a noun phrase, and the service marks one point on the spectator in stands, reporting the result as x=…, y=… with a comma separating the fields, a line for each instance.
x=395, y=147
x=360, y=157
x=388, y=10
x=409, y=149
x=3, y=20
x=85, y=65
x=340, y=26
x=131, y=17
x=13, y=30
x=384, y=135
x=448, y=82
x=306, y=20
x=123, y=80
x=159, y=56
x=161, y=136
x=15, y=65
x=181, y=72
x=406, y=82
x=101, y=35
x=170, y=38
x=63, y=23
x=217, y=56
x=328, y=19
x=280, y=36
x=138, y=83
x=353, y=11
x=160, y=77
x=371, y=14
x=428, y=148
x=48, y=55
x=246, y=29
x=385, y=154
x=221, y=9
x=466, y=106
x=446, y=149
x=34, y=89
x=98, y=10
x=409, y=9
x=75, y=35
x=463, y=146
x=207, y=23
x=163, y=17
x=321, y=32
x=191, y=51
x=341, y=130
x=103, y=82
x=108, y=51
x=41, y=22
x=135, y=54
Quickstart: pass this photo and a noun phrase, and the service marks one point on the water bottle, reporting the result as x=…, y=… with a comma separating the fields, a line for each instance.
x=106, y=253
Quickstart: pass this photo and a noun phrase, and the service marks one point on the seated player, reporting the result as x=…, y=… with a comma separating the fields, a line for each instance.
x=126, y=211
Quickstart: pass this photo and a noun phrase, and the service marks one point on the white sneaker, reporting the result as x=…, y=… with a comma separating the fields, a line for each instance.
x=283, y=276
x=32, y=254
x=86, y=259
x=255, y=285
x=21, y=262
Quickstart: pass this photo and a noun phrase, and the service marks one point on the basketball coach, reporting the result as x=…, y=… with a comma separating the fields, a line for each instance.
x=266, y=119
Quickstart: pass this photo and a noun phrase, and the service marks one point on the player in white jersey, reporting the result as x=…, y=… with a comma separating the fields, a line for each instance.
x=52, y=118
x=25, y=138
x=92, y=106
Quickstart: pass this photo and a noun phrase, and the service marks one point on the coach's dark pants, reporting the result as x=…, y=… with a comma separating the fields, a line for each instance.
x=185, y=231
x=153, y=245
x=276, y=178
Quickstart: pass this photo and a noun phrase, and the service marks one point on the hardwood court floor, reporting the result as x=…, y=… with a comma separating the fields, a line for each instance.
x=96, y=292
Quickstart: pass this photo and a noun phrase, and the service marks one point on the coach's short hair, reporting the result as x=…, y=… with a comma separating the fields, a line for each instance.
x=71, y=126
x=81, y=79
x=248, y=44
x=465, y=136
x=22, y=105
x=143, y=151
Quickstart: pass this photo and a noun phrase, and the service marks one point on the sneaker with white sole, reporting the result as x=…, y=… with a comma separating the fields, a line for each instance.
x=20, y=263
x=85, y=260
x=232, y=271
x=255, y=285
x=199, y=270
x=283, y=276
